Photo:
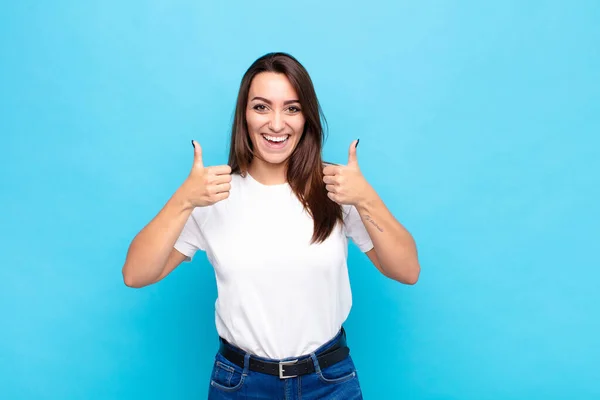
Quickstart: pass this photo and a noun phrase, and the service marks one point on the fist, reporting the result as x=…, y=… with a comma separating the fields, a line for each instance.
x=345, y=184
x=206, y=185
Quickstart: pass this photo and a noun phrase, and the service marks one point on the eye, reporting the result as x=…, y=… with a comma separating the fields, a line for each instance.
x=259, y=107
x=294, y=109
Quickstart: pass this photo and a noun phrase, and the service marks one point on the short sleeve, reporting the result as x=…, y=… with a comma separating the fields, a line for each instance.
x=355, y=229
x=191, y=238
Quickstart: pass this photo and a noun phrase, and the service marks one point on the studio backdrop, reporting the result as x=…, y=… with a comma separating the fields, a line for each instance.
x=479, y=127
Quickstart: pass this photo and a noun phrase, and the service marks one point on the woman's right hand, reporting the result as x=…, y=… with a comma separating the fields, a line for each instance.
x=206, y=185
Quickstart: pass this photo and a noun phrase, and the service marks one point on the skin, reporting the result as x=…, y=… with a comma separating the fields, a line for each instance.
x=273, y=109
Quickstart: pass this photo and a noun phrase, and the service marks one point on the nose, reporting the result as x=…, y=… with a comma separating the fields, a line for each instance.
x=277, y=123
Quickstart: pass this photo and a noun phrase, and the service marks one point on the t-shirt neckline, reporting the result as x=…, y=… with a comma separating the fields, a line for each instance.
x=278, y=186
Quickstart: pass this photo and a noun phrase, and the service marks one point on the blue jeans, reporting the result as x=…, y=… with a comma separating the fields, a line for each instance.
x=338, y=381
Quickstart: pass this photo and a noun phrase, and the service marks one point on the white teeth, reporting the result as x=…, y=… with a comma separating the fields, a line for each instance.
x=276, y=139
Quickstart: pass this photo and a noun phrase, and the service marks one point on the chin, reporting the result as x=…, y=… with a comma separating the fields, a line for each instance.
x=275, y=157
x=275, y=160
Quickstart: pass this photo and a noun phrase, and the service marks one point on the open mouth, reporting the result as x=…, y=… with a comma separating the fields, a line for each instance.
x=276, y=141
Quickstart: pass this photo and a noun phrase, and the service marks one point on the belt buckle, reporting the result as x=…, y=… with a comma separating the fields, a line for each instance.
x=281, y=364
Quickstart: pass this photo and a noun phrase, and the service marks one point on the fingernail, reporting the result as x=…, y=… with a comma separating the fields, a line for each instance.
x=193, y=145
x=356, y=145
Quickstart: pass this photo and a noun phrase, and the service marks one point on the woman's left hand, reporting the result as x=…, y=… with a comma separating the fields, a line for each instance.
x=345, y=184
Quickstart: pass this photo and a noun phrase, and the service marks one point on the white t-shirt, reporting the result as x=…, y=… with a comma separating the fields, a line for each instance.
x=278, y=295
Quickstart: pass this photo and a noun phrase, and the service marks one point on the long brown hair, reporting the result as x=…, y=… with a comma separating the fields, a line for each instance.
x=305, y=165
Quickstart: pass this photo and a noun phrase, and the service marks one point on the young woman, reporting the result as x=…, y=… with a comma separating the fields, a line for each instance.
x=275, y=224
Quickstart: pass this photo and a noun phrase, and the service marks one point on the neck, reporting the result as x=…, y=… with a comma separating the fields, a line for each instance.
x=268, y=174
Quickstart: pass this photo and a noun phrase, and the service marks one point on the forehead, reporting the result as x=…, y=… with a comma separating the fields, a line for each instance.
x=272, y=86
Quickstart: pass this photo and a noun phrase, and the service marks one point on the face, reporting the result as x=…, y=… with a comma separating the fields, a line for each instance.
x=274, y=117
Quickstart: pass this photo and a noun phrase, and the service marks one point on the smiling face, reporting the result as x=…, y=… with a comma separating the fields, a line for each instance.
x=274, y=117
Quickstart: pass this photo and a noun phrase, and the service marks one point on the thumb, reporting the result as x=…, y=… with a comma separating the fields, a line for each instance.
x=197, y=154
x=352, y=159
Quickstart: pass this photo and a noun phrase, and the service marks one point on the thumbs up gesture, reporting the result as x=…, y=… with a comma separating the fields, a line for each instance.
x=345, y=184
x=206, y=185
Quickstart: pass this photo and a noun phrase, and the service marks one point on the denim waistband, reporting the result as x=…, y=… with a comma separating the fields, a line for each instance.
x=340, y=336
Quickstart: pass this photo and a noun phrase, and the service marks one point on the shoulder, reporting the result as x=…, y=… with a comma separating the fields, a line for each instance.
x=349, y=213
x=201, y=214
x=238, y=178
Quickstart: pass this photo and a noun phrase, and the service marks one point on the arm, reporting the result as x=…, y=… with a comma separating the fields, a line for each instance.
x=151, y=255
x=152, y=247
x=394, y=250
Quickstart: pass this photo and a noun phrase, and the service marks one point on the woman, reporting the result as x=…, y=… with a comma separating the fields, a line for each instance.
x=274, y=223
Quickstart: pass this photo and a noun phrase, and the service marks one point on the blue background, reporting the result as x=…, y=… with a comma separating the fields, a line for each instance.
x=479, y=128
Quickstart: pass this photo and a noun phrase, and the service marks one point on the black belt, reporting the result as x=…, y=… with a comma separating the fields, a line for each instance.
x=288, y=369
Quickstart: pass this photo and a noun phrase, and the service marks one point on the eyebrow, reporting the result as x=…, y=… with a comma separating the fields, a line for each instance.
x=285, y=103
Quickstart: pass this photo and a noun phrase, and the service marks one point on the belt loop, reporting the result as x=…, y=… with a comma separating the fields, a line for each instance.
x=246, y=363
x=315, y=362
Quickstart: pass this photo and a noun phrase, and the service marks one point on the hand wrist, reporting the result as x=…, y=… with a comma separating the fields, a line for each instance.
x=181, y=201
x=367, y=201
